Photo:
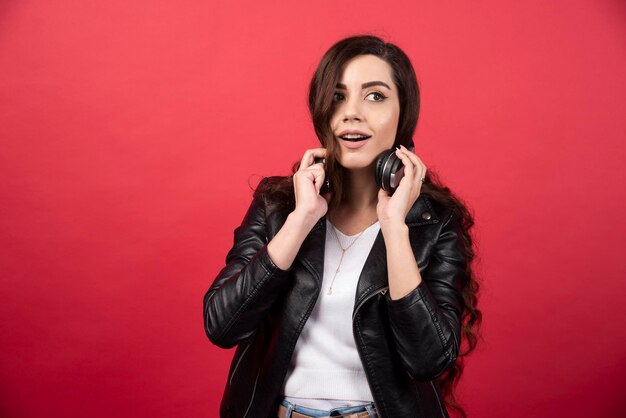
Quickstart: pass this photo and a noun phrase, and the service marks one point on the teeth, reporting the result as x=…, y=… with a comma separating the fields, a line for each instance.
x=354, y=136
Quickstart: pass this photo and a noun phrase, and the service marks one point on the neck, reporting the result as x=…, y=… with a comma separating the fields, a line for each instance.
x=361, y=190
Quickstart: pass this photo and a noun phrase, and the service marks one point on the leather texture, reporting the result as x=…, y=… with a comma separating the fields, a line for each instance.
x=404, y=344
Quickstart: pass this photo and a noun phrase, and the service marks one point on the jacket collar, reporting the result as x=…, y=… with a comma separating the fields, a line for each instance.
x=422, y=213
x=374, y=273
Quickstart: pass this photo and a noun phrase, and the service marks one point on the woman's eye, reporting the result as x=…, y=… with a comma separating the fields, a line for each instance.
x=337, y=97
x=376, y=96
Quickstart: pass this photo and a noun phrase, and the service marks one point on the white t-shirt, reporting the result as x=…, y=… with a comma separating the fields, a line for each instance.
x=326, y=371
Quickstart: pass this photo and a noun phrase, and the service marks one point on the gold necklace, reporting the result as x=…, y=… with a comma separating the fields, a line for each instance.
x=343, y=251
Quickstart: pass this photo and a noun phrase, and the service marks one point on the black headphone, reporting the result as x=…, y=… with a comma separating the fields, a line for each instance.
x=389, y=170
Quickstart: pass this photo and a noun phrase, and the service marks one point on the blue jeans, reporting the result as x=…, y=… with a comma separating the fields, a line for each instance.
x=336, y=411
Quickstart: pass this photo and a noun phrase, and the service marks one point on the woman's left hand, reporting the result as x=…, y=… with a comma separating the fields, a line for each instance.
x=392, y=210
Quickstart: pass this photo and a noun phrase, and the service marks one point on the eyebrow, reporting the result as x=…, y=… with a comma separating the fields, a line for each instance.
x=365, y=85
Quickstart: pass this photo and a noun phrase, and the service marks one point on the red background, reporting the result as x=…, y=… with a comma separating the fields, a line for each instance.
x=130, y=131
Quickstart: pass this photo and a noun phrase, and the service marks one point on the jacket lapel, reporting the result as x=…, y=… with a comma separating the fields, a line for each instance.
x=311, y=253
x=374, y=274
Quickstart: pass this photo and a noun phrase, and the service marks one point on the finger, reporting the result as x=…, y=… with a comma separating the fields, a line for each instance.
x=403, y=191
x=319, y=179
x=415, y=160
x=409, y=167
x=412, y=156
x=311, y=173
x=407, y=183
x=414, y=174
x=420, y=169
x=314, y=174
x=308, y=159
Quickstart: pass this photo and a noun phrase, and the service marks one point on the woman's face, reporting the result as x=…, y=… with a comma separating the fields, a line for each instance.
x=366, y=105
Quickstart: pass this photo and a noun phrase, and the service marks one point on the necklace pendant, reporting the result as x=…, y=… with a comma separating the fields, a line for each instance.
x=330, y=291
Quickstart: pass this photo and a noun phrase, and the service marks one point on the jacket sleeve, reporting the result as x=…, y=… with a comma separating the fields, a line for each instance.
x=426, y=323
x=247, y=286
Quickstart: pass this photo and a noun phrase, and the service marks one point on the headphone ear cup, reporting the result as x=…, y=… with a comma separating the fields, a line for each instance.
x=388, y=170
x=378, y=168
x=393, y=167
x=387, y=164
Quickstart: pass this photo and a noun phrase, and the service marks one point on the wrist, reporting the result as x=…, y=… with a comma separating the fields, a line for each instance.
x=394, y=233
x=305, y=221
x=393, y=226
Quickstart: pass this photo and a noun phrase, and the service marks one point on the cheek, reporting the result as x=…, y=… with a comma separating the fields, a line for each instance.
x=334, y=122
x=388, y=123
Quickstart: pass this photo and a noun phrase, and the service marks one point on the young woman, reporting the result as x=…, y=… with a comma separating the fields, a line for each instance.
x=354, y=301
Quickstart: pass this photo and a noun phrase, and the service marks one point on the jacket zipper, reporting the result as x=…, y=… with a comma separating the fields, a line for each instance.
x=308, y=313
x=256, y=380
x=438, y=400
x=230, y=381
x=382, y=291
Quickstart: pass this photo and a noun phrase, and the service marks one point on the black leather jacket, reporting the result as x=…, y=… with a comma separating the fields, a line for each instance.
x=404, y=344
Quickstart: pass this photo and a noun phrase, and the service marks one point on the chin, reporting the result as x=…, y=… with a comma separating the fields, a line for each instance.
x=355, y=162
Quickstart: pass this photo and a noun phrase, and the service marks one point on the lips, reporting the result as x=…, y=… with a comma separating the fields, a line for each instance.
x=353, y=136
x=354, y=144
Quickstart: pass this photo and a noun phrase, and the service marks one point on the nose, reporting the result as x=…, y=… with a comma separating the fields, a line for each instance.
x=352, y=110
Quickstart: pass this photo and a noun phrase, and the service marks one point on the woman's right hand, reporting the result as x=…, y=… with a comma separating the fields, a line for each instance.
x=310, y=207
x=307, y=182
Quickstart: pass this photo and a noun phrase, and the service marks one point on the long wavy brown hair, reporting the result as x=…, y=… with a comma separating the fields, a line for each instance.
x=321, y=107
